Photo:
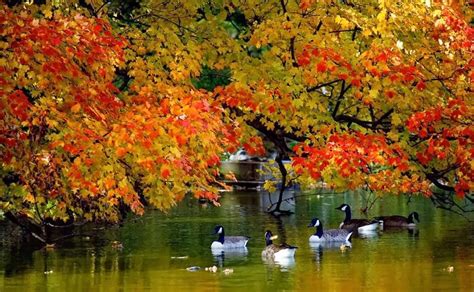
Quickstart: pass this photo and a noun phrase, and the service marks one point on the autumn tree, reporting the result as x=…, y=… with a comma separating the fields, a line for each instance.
x=107, y=106
x=74, y=148
x=379, y=93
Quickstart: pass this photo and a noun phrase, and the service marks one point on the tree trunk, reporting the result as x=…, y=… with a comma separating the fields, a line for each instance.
x=277, y=210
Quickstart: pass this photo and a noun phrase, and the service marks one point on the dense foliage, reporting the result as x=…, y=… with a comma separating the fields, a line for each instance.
x=107, y=106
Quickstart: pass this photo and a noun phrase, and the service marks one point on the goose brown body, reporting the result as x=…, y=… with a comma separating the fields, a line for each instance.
x=399, y=221
x=275, y=251
x=356, y=225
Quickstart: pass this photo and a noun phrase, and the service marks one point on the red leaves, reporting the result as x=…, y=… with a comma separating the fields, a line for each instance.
x=420, y=85
x=321, y=67
x=461, y=188
x=382, y=57
x=390, y=93
x=50, y=51
x=445, y=136
x=356, y=82
x=9, y=142
x=351, y=156
x=254, y=146
x=19, y=104
x=305, y=4
x=304, y=58
x=213, y=160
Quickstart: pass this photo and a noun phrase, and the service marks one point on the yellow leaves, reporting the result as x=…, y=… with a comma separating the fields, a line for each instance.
x=366, y=32
x=382, y=16
x=396, y=120
x=88, y=216
x=436, y=13
x=343, y=22
x=373, y=94
x=270, y=186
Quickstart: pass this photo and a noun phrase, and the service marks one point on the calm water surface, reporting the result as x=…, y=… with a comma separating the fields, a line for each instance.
x=157, y=249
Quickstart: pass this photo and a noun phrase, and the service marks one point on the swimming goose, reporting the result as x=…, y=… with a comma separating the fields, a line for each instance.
x=274, y=251
x=224, y=242
x=330, y=235
x=359, y=225
x=399, y=221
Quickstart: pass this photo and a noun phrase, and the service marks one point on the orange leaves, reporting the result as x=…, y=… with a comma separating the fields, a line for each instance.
x=305, y=4
x=182, y=140
x=49, y=48
x=233, y=96
x=109, y=183
x=76, y=108
x=207, y=195
x=165, y=172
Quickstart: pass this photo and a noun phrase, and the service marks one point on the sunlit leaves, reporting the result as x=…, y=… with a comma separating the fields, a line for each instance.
x=86, y=153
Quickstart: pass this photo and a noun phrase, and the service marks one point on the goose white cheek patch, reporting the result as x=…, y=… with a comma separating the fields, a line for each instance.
x=220, y=231
x=344, y=208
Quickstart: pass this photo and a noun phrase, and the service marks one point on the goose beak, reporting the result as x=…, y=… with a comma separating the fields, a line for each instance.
x=310, y=225
x=274, y=237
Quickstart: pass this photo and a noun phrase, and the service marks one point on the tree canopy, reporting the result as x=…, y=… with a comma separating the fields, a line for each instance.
x=111, y=105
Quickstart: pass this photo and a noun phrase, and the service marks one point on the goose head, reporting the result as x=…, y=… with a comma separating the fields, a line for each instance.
x=344, y=207
x=314, y=223
x=219, y=229
x=319, y=227
x=269, y=237
x=412, y=217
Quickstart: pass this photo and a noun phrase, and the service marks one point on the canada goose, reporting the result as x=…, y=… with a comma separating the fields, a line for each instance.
x=359, y=225
x=274, y=251
x=399, y=221
x=328, y=235
x=224, y=242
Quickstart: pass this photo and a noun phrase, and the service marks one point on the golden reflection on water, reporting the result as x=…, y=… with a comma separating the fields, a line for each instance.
x=158, y=248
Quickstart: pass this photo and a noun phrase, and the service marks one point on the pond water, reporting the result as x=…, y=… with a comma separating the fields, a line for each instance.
x=157, y=249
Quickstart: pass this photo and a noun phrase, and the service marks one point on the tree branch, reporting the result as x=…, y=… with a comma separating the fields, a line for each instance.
x=316, y=87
